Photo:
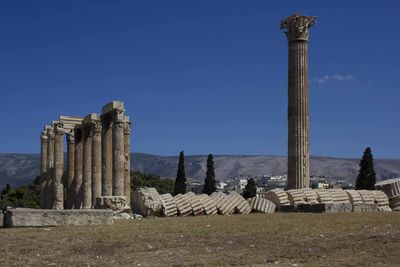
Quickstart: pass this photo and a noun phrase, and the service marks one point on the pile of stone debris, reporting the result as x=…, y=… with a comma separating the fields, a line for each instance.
x=148, y=202
x=328, y=200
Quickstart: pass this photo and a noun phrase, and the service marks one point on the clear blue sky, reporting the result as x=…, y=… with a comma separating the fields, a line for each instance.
x=202, y=76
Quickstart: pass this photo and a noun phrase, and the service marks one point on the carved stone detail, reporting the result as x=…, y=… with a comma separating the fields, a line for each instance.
x=297, y=27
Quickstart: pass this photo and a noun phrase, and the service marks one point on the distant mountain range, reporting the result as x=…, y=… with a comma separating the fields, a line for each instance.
x=18, y=169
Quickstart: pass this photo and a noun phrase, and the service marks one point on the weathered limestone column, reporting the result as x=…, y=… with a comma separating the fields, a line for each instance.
x=87, y=165
x=127, y=152
x=106, y=152
x=78, y=190
x=298, y=119
x=70, y=170
x=50, y=168
x=96, y=162
x=43, y=168
x=118, y=153
x=58, y=167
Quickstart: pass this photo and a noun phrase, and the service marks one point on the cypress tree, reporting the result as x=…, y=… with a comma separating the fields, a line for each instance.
x=209, y=181
x=366, y=178
x=250, y=190
x=180, y=181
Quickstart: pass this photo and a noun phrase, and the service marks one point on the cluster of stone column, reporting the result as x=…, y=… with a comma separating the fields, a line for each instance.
x=298, y=119
x=98, y=159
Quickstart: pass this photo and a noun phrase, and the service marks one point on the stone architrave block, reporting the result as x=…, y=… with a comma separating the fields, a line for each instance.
x=391, y=187
x=147, y=202
x=118, y=204
x=23, y=217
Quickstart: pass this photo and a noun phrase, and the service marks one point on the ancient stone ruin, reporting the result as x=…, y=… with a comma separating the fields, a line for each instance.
x=98, y=160
x=298, y=123
x=149, y=203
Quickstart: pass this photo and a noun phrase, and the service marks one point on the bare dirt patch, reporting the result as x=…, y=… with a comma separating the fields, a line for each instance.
x=368, y=239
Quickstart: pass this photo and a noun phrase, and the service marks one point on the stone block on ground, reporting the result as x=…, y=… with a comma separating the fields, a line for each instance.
x=169, y=208
x=240, y=203
x=296, y=196
x=394, y=203
x=325, y=208
x=115, y=203
x=365, y=207
x=324, y=196
x=311, y=196
x=339, y=196
x=183, y=205
x=391, y=187
x=278, y=196
x=209, y=206
x=195, y=203
x=23, y=217
x=263, y=205
x=380, y=198
x=354, y=196
x=367, y=196
x=147, y=202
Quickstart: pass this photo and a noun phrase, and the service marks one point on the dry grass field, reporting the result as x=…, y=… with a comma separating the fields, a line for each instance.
x=369, y=239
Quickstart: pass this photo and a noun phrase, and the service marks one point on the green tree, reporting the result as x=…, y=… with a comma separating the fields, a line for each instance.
x=367, y=177
x=250, y=190
x=180, y=181
x=209, y=181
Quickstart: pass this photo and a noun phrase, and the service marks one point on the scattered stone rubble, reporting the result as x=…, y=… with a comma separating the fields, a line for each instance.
x=329, y=200
x=149, y=203
x=391, y=188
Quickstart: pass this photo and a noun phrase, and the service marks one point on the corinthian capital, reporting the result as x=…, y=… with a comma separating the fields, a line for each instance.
x=50, y=133
x=71, y=137
x=58, y=128
x=297, y=27
x=43, y=135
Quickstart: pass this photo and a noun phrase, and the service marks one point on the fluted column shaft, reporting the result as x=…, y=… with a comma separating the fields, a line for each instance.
x=58, y=168
x=96, y=162
x=106, y=151
x=78, y=190
x=43, y=169
x=118, y=155
x=298, y=119
x=87, y=167
x=70, y=170
x=50, y=169
x=127, y=152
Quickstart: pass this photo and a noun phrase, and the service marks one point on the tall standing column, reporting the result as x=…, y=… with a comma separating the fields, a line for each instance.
x=87, y=166
x=50, y=168
x=58, y=167
x=106, y=152
x=78, y=191
x=96, y=162
x=70, y=169
x=127, y=150
x=298, y=119
x=118, y=153
x=43, y=168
